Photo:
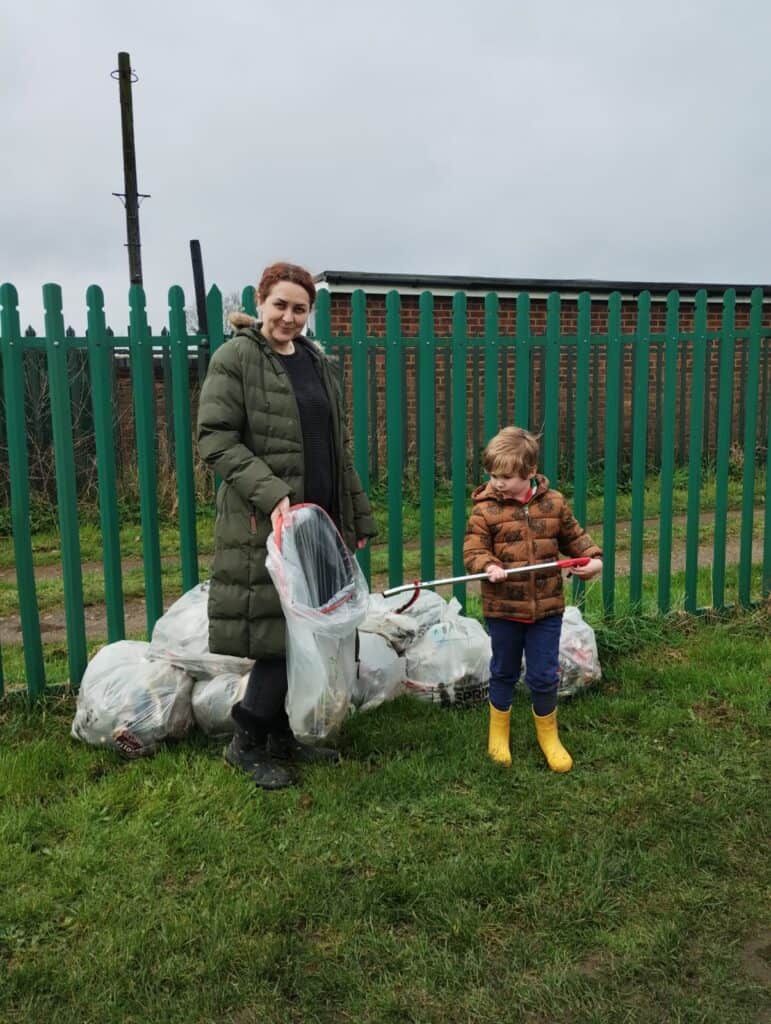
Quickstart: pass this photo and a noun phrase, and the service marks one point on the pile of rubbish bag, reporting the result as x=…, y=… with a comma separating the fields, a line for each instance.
x=348, y=651
x=135, y=695
x=447, y=656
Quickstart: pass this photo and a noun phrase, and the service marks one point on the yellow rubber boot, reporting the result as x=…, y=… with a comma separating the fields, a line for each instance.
x=498, y=737
x=549, y=741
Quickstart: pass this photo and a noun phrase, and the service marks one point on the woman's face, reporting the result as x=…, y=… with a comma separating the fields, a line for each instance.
x=284, y=312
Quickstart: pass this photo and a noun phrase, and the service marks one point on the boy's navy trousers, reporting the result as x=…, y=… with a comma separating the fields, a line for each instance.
x=540, y=643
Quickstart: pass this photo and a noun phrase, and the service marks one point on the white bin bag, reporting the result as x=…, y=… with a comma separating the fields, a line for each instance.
x=450, y=664
x=130, y=703
x=579, y=660
x=324, y=597
x=181, y=636
x=213, y=699
x=380, y=675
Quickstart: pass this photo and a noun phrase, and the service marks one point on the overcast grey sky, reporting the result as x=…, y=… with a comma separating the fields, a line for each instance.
x=603, y=139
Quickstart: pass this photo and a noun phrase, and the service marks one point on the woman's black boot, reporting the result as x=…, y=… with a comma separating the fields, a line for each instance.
x=284, y=745
x=248, y=751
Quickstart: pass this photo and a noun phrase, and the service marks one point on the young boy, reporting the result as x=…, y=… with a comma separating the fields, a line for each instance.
x=517, y=520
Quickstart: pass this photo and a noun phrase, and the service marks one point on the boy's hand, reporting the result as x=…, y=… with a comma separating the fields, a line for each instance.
x=495, y=573
x=589, y=571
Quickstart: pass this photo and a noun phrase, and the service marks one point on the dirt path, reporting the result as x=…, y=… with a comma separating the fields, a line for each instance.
x=52, y=623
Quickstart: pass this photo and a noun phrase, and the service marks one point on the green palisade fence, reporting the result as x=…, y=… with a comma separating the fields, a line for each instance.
x=677, y=388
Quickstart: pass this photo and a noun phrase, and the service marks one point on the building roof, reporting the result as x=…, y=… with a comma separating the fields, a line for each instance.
x=347, y=280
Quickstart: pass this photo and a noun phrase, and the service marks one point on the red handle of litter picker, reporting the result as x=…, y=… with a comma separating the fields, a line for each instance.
x=567, y=562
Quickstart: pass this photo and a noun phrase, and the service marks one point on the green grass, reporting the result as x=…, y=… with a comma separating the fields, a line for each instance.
x=417, y=882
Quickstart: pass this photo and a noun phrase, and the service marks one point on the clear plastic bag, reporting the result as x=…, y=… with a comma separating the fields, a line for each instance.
x=181, y=636
x=324, y=597
x=213, y=699
x=380, y=675
x=579, y=660
x=450, y=664
x=130, y=703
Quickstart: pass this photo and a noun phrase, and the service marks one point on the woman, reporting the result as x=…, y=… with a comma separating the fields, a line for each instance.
x=270, y=424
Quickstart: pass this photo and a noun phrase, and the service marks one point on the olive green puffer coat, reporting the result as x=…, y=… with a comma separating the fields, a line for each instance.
x=249, y=433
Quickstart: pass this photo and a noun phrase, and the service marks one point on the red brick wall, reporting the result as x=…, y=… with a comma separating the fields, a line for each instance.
x=475, y=370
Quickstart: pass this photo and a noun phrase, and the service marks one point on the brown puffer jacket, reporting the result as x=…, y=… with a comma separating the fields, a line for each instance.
x=509, y=533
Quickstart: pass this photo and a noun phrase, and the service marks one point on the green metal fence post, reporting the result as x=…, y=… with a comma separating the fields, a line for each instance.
x=214, y=319
x=752, y=349
x=394, y=437
x=639, y=446
x=249, y=299
x=100, y=355
x=66, y=490
x=667, y=452
x=522, y=366
x=610, y=475
x=168, y=399
x=427, y=449
x=359, y=365
x=491, y=367
x=695, y=450
x=723, y=445
x=550, y=392
x=18, y=469
x=183, y=434
x=459, y=356
x=581, y=421
x=143, y=385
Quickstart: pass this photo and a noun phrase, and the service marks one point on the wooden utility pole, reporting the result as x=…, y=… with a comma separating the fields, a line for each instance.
x=131, y=197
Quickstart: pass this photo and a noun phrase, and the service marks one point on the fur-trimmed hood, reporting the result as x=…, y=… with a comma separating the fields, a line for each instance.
x=238, y=321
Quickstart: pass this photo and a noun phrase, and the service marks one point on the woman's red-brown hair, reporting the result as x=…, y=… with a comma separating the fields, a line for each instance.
x=284, y=272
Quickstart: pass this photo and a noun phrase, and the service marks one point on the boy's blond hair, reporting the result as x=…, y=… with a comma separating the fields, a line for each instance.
x=512, y=452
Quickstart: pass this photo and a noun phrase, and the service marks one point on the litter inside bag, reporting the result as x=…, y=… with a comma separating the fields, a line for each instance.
x=402, y=629
x=450, y=664
x=213, y=699
x=324, y=597
x=579, y=660
x=181, y=636
x=380, y=675
x=130, y=703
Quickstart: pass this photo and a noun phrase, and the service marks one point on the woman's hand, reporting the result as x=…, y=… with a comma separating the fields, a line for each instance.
x=362, y=543
x=495, y=573
x=587, y=572
x=280, y=510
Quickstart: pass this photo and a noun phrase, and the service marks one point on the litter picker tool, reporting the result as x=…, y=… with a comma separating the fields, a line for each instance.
x=417, y=585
